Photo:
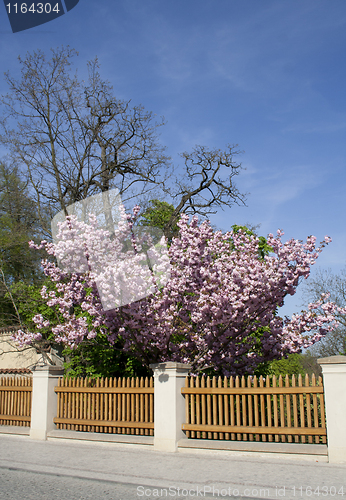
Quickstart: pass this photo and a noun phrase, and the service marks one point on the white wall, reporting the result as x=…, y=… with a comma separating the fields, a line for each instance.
x=11, y=356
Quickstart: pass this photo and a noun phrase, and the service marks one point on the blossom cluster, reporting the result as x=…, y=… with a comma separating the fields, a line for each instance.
x=218, y=309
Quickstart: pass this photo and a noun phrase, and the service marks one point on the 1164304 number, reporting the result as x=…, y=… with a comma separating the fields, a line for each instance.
x=33, y=8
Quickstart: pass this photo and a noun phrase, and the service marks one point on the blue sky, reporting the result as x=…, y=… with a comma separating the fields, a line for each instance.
x=268, y=75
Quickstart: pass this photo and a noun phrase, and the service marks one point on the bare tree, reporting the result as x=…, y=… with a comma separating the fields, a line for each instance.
x=75, y=139
x=323, y=282
x=207, y=183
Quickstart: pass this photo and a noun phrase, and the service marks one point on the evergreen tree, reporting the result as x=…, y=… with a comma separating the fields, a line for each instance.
x=18, y=225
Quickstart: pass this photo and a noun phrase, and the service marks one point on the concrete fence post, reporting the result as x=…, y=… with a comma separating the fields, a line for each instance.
x=334, y=383
x=44, y=400
x=169, y=404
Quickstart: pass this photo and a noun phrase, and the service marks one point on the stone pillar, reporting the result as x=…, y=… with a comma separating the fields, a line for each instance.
x=44, y=400
x=334, y=383
x=169, y=404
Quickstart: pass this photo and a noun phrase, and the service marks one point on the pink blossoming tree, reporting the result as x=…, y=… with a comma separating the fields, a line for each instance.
x=218, y=310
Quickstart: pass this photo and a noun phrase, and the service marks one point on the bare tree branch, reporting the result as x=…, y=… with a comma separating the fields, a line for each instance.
x=211, y=172
x=325, y=281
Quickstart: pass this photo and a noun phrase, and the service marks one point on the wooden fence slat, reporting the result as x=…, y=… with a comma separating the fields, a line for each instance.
x=263, y=416
x=187, y=405
x=69, y=401
x=64, y=405
x=17, y=418
x=269, y=408
x=198, y=407
x=80, y=403
x=295, y=409
x=59, y=403
x=204, y=408
x=97, y=406
x=146, y=405
x=275, y=410
x=301, y=407
x=243, y=408
x=256, y=407
x=238, y=410
x=315, y=406
x=220, y=408
x=16, y=398
x=151, y=405
x=21, y=403
x=288, y=409
x=282, y=409
x=209, y=408
x=89, y=397
x=84, y=402
x=123, y=404
x=132, y=411
x=308, y=407
x=323, y=416
x=119, y=402
x=192, y=406
x=226, y=406
x=141, y=402
x=266, y=390
x=301, y=431
x=1, y=401
x=249, y=406
x=214, y=405
x=128, y=407
x=7, y=402
x=82, y=422
x=106, y=390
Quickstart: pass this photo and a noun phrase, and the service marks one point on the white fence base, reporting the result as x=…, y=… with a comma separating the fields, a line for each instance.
x=44, y=400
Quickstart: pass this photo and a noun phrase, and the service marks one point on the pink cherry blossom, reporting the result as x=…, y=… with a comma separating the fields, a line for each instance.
x=219, y=308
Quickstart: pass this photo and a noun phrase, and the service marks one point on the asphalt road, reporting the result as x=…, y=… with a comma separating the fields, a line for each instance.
x=74, y=470
x=24, y=485
x=16, y=484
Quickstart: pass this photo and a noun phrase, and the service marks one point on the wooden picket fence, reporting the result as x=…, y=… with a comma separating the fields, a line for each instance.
x=15, y=401
x=255, y=409
x=120, y=406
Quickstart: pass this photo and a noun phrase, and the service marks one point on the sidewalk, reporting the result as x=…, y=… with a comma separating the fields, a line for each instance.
x=209, y=474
